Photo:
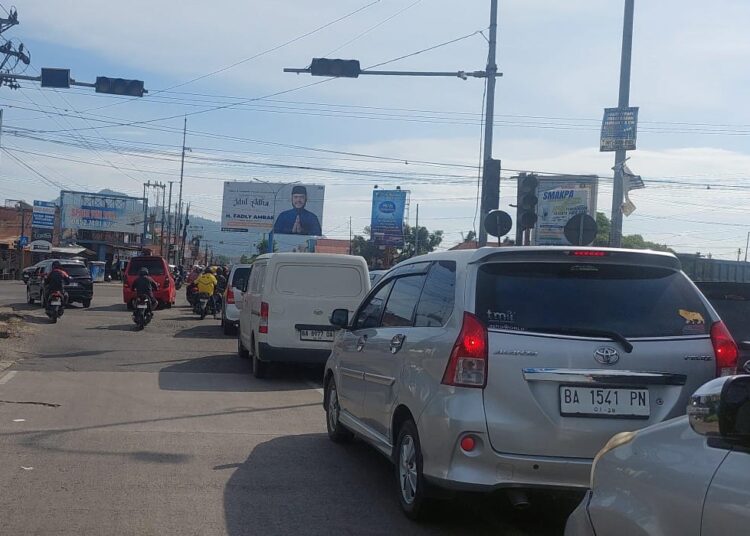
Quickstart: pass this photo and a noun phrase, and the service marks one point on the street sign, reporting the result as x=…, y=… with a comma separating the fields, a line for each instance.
x=23, y=241
x=619, y=129
x=43, y=215
x=40, y=246
x=581, y=230
x=498, y=223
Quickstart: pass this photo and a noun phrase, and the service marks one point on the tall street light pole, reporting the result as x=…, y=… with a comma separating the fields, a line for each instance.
x=615, y=238
x=488, y=125
x=178, y=225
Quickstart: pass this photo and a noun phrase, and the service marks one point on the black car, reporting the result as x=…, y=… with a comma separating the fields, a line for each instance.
x=80, y=289
x=26, y=272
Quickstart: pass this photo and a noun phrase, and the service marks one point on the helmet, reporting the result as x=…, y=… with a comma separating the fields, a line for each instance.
x=207, y=270
x=213, y=269
x=143, y=271
x=56, y=265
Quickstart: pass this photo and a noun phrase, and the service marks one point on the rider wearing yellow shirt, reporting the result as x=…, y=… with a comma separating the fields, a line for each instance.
x=206, y=282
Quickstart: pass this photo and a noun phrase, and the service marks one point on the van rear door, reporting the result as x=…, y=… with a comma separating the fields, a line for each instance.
x=580, y=349
x=303, y=297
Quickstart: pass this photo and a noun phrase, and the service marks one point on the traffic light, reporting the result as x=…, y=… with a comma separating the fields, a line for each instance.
x=526, y=201
x=336, y=68
x=119, y=86
x=57, y=78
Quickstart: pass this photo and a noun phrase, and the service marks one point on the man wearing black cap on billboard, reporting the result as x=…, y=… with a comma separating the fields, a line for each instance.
x=298, y=220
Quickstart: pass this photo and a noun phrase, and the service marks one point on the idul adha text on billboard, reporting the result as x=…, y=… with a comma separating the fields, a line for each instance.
x=295, y=209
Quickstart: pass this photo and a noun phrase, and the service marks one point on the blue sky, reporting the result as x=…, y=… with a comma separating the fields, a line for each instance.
x=560, y=62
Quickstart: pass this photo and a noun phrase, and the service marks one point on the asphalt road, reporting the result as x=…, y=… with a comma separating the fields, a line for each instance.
x=104, y=430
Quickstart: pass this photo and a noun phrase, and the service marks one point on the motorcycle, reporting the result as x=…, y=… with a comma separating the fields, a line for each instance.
x=191, y=294
x=178, y=282
x=55, y=307
x=142, y=313
x=206, y=304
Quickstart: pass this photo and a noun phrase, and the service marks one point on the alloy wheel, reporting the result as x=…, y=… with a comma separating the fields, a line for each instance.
x=407, y=469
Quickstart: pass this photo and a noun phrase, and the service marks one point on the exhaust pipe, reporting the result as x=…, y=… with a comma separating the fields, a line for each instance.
x=518, y=499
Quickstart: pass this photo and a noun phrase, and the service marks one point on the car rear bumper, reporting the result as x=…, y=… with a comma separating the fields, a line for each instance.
x=231, y=313
x=456, y=412
x=79, y=294
x=579, y=522
x=293, y=355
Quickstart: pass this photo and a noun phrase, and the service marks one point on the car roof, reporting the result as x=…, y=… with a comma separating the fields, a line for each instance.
x=62, y=261
x=629, y=256
x=311, y=258
x=235, y=266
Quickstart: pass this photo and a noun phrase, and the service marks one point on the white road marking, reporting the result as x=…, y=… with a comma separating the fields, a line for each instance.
x=19, y=420
x=27, y=468
x=314, y=386
x=8, y=376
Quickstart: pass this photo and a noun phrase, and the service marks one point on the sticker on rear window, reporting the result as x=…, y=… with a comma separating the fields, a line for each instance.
x=695, y=324
x=505, y=319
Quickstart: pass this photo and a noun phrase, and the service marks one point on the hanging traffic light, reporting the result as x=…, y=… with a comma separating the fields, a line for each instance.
x=335, y=67
x=526, y=216
x=119, y=86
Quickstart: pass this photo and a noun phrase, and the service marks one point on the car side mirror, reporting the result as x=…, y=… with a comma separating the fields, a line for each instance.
x=340, y=318
x=721, y=408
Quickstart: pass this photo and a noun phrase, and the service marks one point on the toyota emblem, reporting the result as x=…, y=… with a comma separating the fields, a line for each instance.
x=606, y=355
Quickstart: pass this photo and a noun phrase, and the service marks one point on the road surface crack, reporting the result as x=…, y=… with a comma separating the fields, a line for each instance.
x=48, y=404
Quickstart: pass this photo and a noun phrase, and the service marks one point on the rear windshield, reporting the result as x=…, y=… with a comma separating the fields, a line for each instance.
x=239, y=278
x=634, y=301
x=155, y=266
x=332, y=281
x=76, y=270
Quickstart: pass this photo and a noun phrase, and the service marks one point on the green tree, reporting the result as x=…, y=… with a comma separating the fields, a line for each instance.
x=471, y=236
x=428, y=241
x=635, y=241
x=244, y=259
x=262, y=246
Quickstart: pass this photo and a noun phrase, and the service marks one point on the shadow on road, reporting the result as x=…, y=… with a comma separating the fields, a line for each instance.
x=118, y=327
x=83, y=353
x=113, y=307
x=307, y=485
x=211, y=330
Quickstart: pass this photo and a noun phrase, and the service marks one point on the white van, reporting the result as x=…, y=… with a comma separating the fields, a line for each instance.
x=286, y=307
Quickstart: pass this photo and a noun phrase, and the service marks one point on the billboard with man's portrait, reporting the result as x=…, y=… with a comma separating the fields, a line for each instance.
x=291, y=209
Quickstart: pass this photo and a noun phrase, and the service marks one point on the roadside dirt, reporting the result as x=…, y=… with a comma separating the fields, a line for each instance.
x=13, y=328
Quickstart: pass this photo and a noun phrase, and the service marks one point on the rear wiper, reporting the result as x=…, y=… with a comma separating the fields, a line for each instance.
x=584, y=332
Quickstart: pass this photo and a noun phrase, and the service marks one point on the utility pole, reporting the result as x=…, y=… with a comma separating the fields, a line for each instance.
x=20, y=246
x=739, y=253
x=163, y=218
x=184, y=236
x=615, y=238
x=169, y=223
x=416, y=234
x=747, y=245
x=489, y=122
x=178, y=226
x=351, y=239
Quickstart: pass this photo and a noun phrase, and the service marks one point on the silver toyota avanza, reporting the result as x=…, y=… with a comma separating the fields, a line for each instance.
x=511, y=367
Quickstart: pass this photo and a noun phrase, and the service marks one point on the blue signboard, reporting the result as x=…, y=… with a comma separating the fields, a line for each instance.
x=387, y=225
x=619, y=129
x=23, y=241
x=43, y=215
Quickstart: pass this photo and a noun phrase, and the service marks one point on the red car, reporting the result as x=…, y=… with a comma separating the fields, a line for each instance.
x=158, y=269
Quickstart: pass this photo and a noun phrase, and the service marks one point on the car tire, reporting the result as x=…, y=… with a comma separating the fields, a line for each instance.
x=260, y=368
x=411, y=486
x=86, y=304
x=227, y=327
x=336, y=431
x=241, y=350
x=29, y=299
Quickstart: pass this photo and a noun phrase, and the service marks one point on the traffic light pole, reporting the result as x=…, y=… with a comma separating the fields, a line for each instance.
x=615, y=236
x=489, y=123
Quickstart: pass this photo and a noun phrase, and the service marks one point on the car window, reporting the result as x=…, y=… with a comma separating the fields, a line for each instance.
x=370, y=313
x=399, y=310
x=239, y=278
x=155, y=266
x=438, y=295
x=76, y=270
x=635, y=301
x=329, y=281
x=257, y=277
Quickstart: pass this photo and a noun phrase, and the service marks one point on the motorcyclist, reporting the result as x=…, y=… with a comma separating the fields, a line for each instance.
x=206, y=283
x=221, y=280
x=144, y=285
x=56, y=281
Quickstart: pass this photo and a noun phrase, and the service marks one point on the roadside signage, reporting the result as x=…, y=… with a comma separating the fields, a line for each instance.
x=43, y=215
x=22, y=241
x=40, y=246
x=387, y=219
x=619, y=129
x=560, y=197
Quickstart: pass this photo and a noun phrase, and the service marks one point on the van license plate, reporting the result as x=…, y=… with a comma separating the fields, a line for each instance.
x=55, y=302
x=598, y=402
x=316, y=335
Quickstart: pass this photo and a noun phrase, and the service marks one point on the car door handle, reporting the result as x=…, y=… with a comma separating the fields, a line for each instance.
x=397, y=342
x=361, y=343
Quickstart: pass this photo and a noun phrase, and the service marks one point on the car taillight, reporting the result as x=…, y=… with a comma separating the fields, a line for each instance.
x=166, y=282
x=230, y=295
x=263, y=318
x=725, y=349
x=588, y=253
x=467, y=366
